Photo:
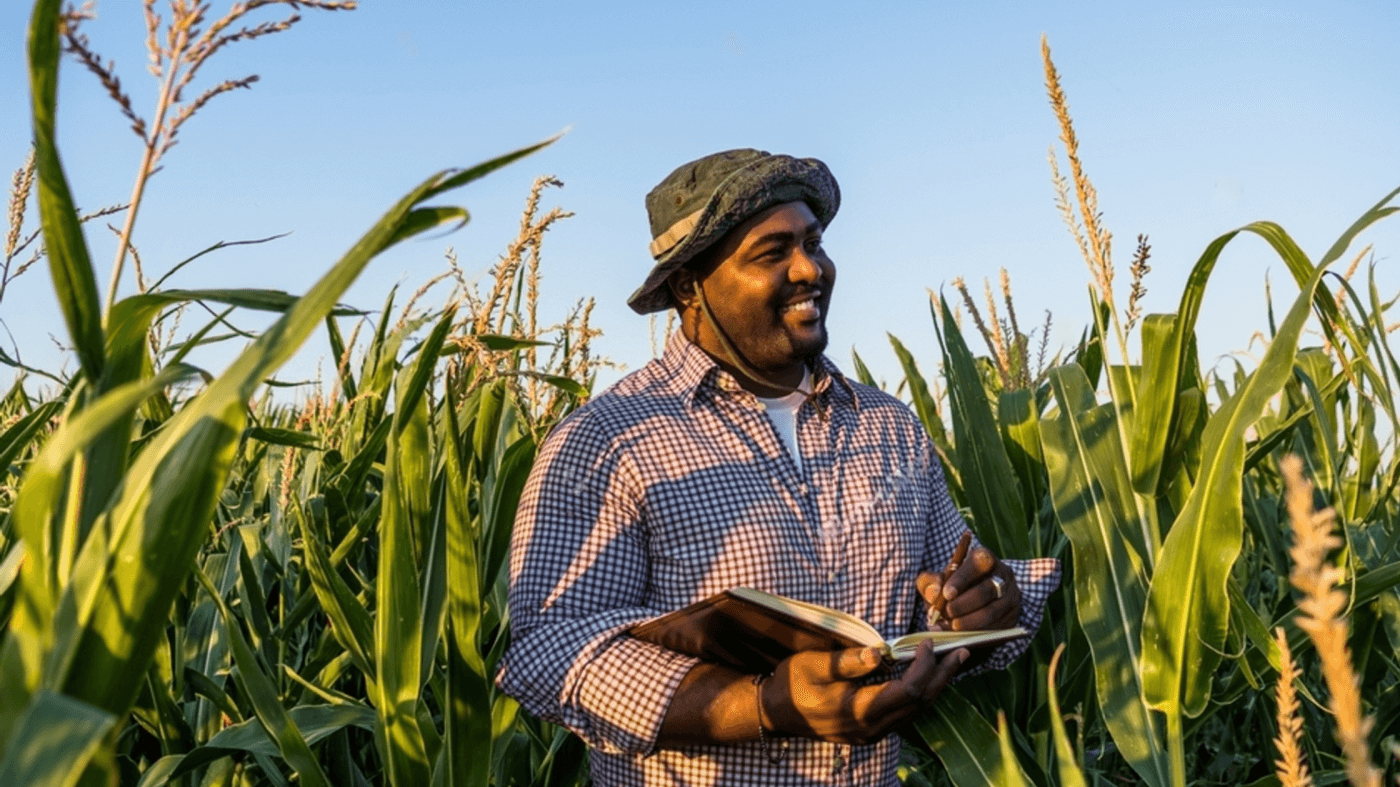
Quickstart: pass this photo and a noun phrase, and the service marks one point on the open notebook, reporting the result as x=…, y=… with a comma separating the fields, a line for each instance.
x=752, y=631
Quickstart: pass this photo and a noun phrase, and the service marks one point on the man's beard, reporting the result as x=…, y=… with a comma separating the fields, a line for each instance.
x=787, y=348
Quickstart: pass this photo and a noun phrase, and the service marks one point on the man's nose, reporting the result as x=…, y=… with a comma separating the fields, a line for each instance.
x=804, y=268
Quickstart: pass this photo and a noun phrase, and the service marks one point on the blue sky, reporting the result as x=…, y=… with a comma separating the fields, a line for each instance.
x=1194, y=118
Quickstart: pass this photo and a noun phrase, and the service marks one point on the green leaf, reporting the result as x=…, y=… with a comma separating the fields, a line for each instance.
x=10, y=566
x=498, y=343
x=342, y=362
x=966, y=743
x=259, y=689
x=862, y=371
x=204, y=687
x=38, y=519
x=157, y=528
x=61, y=736
x=161, y=771
x=421, y=220
x=433, y=571
x=18, y=437
x=290, y=437
x=1093, y=499
x=403, y=530
x=999, y=519
x=1020, y=434
x=1152, y=419
x=468, y=712
x=1071, y=775
x=925, y=405
x=74, y=283
x=254, y=298
x=316, y=723
x=501, y=496
x=566, y=384
x=1010, y=777
x=1188, y=607
x=351, y=624
x=488, y=420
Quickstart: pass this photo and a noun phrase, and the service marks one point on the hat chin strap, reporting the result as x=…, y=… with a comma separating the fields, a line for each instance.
x=731, y=353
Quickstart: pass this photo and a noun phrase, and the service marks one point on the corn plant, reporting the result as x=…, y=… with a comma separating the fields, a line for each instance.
x=107, y=532
x=1168, y=510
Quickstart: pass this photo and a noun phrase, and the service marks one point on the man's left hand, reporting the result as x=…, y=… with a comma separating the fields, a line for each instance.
x=973, y=599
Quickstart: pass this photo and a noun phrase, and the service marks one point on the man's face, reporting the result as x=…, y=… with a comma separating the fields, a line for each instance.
x=769, y=284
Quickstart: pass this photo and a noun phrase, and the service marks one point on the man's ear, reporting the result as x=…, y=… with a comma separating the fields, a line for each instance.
x=682, y=284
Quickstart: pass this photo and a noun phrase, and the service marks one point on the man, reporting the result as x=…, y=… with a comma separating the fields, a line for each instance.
x=742, y=457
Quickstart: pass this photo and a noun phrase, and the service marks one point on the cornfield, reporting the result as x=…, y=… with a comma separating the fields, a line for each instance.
x=203, y=584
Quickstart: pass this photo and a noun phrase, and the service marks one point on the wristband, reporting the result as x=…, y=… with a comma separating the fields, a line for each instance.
x=775, y=754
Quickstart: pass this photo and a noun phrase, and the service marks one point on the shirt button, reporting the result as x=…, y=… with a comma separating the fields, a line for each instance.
x=830, y=577
x=802, y=489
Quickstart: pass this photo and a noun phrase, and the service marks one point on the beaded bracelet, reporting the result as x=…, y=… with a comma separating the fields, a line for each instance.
x=763, y=738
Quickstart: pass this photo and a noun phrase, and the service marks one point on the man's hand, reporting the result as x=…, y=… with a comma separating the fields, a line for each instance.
x=819, y=695
x=813, y=694
x=973, y=601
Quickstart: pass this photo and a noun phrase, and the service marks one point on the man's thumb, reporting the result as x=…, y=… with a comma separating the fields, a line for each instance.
x=857, y=663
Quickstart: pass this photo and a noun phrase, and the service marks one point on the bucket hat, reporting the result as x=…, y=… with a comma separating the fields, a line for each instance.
x=697, y=204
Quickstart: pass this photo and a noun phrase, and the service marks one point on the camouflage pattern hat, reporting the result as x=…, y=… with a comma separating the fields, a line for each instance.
x=701, y=201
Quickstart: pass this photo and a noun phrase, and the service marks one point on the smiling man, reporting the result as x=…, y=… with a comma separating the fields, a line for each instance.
x=743, y=457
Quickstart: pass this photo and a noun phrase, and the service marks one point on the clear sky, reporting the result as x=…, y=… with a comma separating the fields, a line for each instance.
x=1194, y=118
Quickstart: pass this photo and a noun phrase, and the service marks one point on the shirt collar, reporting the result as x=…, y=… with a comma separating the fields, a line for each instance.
x=693, y=371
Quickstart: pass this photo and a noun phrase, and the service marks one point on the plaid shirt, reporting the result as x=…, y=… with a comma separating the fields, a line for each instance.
x=672, y=486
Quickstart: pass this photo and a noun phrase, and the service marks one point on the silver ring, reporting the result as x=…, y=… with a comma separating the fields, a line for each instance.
x=999, y=584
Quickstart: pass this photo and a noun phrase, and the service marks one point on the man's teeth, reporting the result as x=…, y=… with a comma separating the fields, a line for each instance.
x=802, y=306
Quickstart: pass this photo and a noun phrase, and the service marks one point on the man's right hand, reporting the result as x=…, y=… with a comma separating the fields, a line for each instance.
x=821, y=695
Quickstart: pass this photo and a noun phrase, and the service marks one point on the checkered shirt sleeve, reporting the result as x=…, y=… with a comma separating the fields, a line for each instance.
x=578, y=563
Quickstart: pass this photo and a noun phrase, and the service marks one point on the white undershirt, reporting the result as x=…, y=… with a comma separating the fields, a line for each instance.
x=783, y=413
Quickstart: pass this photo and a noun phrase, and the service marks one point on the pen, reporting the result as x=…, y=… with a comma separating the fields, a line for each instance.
x=935, y=607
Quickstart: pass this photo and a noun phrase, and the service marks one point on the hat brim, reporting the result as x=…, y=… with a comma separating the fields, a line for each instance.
x=773, y=180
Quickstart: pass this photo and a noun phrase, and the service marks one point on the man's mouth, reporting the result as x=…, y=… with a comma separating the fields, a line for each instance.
x=804, y=308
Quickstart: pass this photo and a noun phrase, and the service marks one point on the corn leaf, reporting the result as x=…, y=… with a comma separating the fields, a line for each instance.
x=70, y=265
x=316, y=723
x=1020, y=434
x=162, y=524
x=1010, y=777
x=501, y=495
x=342, y=363
x=273, y=435
x=862, y=371
x=434, y=563
x=1071, y=775
x=403, y=529
x=999, y=518
x=925, y=406
x=38, y=507
x=259, y=689
x=21, y=434
x=1161, y=358
x=468, y=712
x=10, y=566
x=1188, y=607
x=965, y=743
x=62, y=736
x=351, y=624
x=161, y=771
x=1093, y=499
x=498, y=343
